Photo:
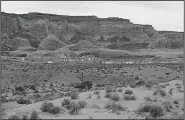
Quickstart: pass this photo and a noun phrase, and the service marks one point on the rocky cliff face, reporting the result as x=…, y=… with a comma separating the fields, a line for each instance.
x=9, y=24
x=179, y=36
x=37, y=26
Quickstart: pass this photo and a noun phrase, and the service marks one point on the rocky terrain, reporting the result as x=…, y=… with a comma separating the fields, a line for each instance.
x=113, y=33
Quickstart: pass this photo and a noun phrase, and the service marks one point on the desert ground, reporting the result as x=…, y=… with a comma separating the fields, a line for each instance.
x=95, y=108
x=121, y=92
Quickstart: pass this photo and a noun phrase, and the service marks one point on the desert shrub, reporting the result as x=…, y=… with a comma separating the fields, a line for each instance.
x=170, y=92
x=51, y=84
x=177, y=84
x=115, y=97
x=118, y=107
x=91, y=118
x=97, y=92
x=67, y=94
x=98, y=85
x=66, y=103
x=89, y=97
x=74, y=95
x=128, y=92
x=179, y=90
x=108, y=95
x=23, y=101
x=113, y=90
x=108, y=106
x=3, y=99
x=74, y=108
x=82, y=104
x=66, y=90
x=133, y=86
x=167, y=106
x=84, y=84
x=115, y=107
x=24, y=117
x=148, y=85
x=37, y=96
x=96, y=106
x=163, y=86
x=20, y=89
x=129, y=97
x=154, y=100
x=102, y=88
x=55, y=110
x=13, y=117
x=61, y=94
x=98, y=97
x=145, y=108
x=120, y=90
x=154, y=110
x=49, y=107
x=34, y=115
x=117, y=112
x=36, y=91
x=176, y=102
x=147, y=98
x=46, y=107
x=109, y=89
x=160, y=92
x=33, y=87
x=167, y=84
x=140, y=83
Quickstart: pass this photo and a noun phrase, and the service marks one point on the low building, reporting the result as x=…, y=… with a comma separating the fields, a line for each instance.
x=89, y=58
x=56, y=58
x=45, y=59
x=71, y=54
x=33, y=59
x=23, y=58
x=50, y=61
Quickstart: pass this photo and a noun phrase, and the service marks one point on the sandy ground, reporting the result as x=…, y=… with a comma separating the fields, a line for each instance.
x=101, y=113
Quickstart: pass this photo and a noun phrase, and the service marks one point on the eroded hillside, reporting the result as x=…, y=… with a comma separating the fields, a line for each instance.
x=117, y=32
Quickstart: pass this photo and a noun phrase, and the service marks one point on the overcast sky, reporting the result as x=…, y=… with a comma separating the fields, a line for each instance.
x=162, y=15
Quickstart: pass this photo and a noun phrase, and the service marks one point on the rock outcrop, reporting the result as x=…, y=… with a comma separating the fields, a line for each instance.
x=179, y=36
x=37, y=26
x=83, y=45
x=166, y=43
x=76, y=38
x=128, y=46
x=51, y=43
x=19, y=42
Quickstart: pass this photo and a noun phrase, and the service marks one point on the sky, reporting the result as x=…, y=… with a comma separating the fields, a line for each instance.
x=162, y=15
